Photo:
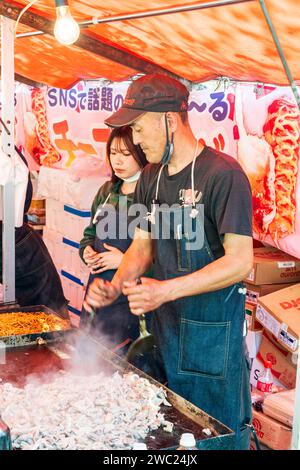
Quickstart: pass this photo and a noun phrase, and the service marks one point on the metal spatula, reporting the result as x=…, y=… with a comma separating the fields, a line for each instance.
x=89, y=321
x=144, y=343
x=90, y=317
x=83, y=338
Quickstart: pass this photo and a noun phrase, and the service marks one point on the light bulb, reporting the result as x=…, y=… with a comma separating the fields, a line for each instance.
x=66, y=30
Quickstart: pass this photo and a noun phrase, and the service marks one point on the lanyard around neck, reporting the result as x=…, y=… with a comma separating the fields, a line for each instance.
x=194, y=211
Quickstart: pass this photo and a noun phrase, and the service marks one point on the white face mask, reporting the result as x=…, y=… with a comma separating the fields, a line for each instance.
x=132, y=178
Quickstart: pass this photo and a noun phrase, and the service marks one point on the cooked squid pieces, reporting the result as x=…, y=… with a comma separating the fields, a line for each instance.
x=82, y=412
x=23, y=323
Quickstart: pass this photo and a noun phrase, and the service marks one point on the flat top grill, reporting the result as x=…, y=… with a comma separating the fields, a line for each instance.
x=39, y=360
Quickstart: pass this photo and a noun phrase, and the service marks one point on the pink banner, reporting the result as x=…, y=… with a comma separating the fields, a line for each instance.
x=257, y=124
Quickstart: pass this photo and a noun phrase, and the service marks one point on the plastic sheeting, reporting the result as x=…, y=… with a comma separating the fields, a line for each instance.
x=230, y=40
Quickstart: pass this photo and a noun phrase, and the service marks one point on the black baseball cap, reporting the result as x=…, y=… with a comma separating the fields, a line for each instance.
x=151, y=93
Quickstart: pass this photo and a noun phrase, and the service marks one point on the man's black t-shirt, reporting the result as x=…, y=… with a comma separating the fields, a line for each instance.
x=220, y=185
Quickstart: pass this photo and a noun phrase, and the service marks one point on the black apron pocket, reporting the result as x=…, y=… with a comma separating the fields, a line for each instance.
x=183, y=255
x=204, y=348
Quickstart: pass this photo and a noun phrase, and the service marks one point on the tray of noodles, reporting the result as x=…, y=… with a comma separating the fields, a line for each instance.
x=22, y=326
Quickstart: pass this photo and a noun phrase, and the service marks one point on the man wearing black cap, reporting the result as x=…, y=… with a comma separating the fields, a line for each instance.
x=199, y=234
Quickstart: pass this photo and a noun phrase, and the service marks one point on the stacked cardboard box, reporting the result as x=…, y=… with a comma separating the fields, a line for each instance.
x=273, y=318
x=272, y=433
x=273, y=423
x=280, y=406
x=68, y=205
x=261, y=446
x=272, y=271
x=253, y=294
x=272, y=266
x=279, y=313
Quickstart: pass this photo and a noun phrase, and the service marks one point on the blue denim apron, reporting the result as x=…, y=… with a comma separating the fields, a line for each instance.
x=115, y=321
x=200, y=338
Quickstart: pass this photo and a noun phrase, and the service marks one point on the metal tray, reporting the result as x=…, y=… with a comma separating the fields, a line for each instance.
x=185, y=417
x=32, y=338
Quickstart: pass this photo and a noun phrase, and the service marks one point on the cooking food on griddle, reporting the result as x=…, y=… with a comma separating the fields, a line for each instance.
x=22, y=323
x=82, y=412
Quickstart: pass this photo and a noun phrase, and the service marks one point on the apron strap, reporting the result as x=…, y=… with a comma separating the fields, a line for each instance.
x=251, y=427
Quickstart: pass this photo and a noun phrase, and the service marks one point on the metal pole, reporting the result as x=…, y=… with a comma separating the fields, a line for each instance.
x=296, y=420
x=8, y=117
x=34, y=33
x=165, y=11
x=280, y=52
x=150, y=13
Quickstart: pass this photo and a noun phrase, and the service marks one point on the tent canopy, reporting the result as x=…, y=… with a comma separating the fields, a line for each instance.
x=231, y=40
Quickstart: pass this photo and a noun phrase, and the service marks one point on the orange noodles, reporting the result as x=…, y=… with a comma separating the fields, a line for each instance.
x=22, y=323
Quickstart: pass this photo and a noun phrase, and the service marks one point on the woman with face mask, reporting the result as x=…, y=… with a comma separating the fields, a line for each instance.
x=106, y=238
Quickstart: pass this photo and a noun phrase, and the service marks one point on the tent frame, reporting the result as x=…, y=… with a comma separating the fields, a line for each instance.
x=8, y=120
x=148, y=14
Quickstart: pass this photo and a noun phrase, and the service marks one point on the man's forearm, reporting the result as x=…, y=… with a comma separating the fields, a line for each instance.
x=135, y=262
x=217, y=275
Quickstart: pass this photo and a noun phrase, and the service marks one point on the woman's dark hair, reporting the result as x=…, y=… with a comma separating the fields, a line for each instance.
x=125, y=134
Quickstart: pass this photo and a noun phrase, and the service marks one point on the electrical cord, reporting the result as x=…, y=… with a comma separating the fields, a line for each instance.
x=22, y=13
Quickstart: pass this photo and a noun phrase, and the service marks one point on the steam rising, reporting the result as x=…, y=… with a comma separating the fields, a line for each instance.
x=84, y=405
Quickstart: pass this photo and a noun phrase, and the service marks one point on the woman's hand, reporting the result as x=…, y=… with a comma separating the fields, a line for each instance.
x=110, y=259
x=90, y=255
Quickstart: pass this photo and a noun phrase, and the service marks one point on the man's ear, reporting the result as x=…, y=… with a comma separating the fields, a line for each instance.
x=172, y=120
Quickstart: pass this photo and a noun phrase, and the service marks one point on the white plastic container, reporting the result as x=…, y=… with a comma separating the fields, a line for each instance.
x=55, y=215
x=72, y=263
x=139, y=446
x=187, y=442
x=74, y=222
x=54, y=242
x=74, y=291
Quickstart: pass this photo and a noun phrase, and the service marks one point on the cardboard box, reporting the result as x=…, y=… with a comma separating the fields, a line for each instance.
x=280, y=406
x=253, y=445
x=254, y=292
x=273, y=434
x=272, y=266
x=283, y=367
x=250, y=315
x=279, y=313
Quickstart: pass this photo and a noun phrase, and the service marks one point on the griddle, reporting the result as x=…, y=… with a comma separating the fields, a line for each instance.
x=40, y=359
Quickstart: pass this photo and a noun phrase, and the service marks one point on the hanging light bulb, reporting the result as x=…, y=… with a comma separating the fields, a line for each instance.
x=66, y=30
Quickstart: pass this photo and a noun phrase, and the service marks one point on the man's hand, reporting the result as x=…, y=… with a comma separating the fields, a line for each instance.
x=110, y=259
x=100, y=294
x=147, y=296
